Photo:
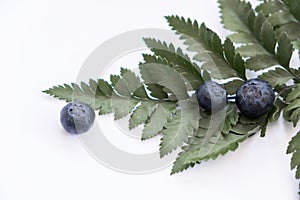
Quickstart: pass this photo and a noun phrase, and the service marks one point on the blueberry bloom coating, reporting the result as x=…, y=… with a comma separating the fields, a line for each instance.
x=211, y=96
x=255, y=97
x=77, y=117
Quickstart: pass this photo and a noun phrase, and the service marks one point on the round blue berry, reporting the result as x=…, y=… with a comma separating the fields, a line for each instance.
x=77, y=117
x=255, y=97
x=211, y=96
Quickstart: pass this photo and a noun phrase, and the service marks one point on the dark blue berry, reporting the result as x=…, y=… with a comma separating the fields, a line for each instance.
x=211, y=96
x=255, y=97
x=77, y=117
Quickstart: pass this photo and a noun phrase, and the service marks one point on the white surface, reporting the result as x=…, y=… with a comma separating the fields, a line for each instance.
x=44, y=43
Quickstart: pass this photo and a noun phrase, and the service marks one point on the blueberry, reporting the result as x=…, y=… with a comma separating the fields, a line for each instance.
x=255, y=97
x=211, y=96
x=77, y=117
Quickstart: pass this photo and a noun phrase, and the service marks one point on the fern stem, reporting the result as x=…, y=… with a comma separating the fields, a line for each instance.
x=153, y=100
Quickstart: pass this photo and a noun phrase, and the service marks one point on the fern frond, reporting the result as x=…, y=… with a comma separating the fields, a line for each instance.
x=277, y=12
x=280, y=12
x=162, y=114
x=208, y=47
x=253, y=31
x=183, y=126
x=142, y=113
x=276, y=77
x=195, y=152
x=294, y=7
x=121, y=98
x=294, y=149
x=209, y=142
x=94, y=94
x=291, y=112
x=259, y=47
x=158, y=71
x=284, y=16
x=161, y=100
x=180, y=61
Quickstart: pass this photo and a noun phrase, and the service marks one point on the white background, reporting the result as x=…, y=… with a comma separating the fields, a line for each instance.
x=44, y=43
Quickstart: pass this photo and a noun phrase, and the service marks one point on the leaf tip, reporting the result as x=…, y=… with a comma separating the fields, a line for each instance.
x=46, y=91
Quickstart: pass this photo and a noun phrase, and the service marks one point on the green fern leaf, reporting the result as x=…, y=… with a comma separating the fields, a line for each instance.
x=206, y=76
x=114, y=79
x=165, y=76
x=260, y=62
x=242, y=129
x=181, y=62
x=232, y=86
x=234, y=58
x=236, y=15
x=277, y=12
x=281, y=17
x=200, y=149
x=269, y=7
x=181, y=127
x=291, y=112
x=157, y=91
x=123, y=106
x=161, y=101
x=294, y=94
x=294, y=6
x=232, y=117
x=268, y=37
x=284, y=50
x=141, y=114
x=246, y=125
x=252, y=50
x=294, y=149
x=294, y=144
x=62, y=92
x=206, y=44
x=209, y=142
x=242, y=38
x=103, y=87
x=274, y=114
x=158, y=119
x=128, y=84
x=291, y=29
x=87, y=94
x=253, y=31
x=277, y=77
